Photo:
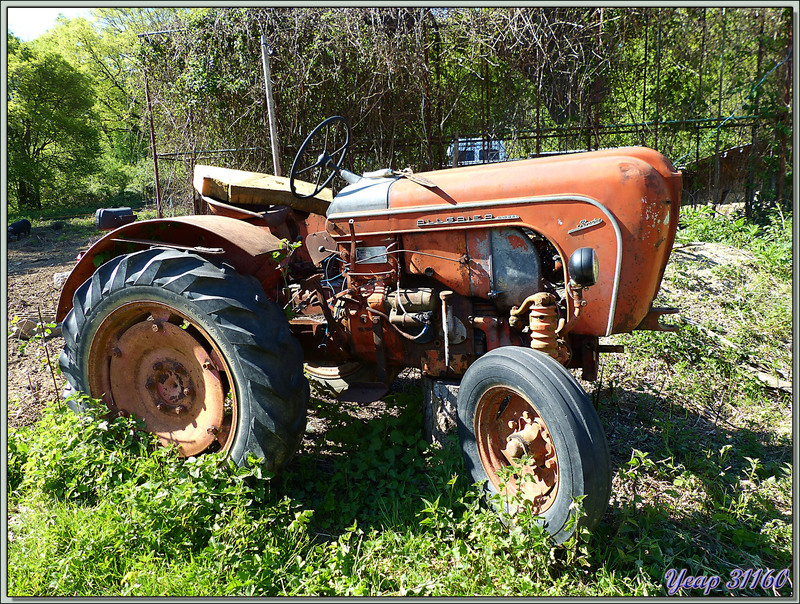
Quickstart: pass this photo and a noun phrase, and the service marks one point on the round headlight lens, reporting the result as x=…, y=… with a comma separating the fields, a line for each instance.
x=583, y=267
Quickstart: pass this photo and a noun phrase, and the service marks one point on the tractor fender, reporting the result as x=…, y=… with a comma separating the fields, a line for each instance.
x=248, y=248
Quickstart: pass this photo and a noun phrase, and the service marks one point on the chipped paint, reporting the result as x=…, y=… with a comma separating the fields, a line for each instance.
x=517, y=242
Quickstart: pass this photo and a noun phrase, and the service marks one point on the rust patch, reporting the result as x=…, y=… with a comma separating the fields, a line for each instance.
x=518, y=242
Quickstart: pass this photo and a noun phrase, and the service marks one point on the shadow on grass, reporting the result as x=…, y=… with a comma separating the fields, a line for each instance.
x=371, y=466
x=692, y=491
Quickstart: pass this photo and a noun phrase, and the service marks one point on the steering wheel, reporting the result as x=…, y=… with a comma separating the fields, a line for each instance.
x=328, y=142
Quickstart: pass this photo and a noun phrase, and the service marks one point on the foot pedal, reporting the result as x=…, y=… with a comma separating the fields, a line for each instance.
x=364, y=392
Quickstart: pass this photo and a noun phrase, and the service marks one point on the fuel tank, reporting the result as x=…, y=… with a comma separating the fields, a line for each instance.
x=623, y=203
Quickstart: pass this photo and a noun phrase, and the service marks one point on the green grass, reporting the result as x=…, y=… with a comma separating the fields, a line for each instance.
x=143, y=208
x=701, y=455
x=770, y=239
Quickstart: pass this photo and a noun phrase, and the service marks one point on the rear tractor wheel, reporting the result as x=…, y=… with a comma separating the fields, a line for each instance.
x=529, y=432
x=193, y=349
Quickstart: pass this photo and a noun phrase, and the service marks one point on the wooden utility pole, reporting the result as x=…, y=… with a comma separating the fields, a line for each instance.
x=273, y=126
x=159, y=212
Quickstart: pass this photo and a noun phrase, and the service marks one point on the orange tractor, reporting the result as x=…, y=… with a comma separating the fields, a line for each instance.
x=503, y=275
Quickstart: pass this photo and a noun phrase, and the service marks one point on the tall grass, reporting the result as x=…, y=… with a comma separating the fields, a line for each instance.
x=770, y=239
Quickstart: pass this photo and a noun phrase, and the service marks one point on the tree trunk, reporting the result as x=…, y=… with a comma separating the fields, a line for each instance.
x=749, y=189
x=785, y=117
x=29, y=195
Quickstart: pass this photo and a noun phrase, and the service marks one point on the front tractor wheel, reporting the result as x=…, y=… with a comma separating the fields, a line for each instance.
x=193, y=349
x=529, y=432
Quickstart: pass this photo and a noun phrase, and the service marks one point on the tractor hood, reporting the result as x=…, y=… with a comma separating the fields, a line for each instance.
x=623, y=203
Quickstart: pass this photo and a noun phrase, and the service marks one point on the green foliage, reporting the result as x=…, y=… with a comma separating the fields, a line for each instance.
x=144, y=502
x=18, y=445
x=52, y=139
x=770, y=240
x=385, y=462
x=129, y=518
x=107, y=59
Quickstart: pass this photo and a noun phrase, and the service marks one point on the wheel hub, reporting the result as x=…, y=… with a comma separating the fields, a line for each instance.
x=531, y=438
x=511, y=434
x=171, y=387
x=165, y=373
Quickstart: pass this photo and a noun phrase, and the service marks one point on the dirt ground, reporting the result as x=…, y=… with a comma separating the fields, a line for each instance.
x=32, y=263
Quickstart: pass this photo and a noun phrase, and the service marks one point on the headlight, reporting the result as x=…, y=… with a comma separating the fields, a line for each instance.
x=583, y=267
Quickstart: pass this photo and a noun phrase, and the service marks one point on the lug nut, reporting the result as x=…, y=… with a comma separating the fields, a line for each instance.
x=156, y=326
x=161, y=406
x=187, y=391
x=122, y=413
x=158, y=366
x=116, y=352
x=208, y=365
x=150, y=384
x=180, y=410
x=213, y=430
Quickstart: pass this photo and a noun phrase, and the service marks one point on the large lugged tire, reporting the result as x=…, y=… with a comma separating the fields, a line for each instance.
x=194, y=349
x=519, y=405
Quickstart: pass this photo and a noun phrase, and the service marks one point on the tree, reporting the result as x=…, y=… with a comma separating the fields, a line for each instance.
x=106, y=58
x=53, y=141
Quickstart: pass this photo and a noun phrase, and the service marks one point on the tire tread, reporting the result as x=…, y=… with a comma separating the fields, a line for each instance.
x=269, y=359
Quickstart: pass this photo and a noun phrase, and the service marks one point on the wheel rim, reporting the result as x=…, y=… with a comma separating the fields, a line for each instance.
x=333, y=371
x=510, y=433
x=151, y=360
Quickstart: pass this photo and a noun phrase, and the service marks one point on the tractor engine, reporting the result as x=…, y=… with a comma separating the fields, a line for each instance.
x=503, y=257
x=437, y=298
